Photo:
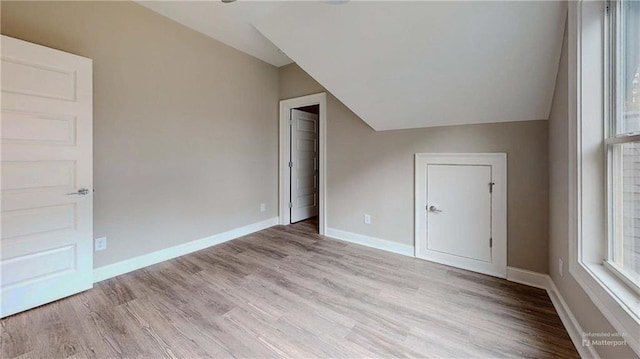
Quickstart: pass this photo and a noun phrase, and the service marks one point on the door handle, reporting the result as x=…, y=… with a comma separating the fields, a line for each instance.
x=81, y=192
x=434, y=209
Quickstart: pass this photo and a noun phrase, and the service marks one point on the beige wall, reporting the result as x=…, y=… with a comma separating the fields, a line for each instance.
x=174, y=138
x=582, y=307
x=373, y=172
x=185, y=128
x=185, y=144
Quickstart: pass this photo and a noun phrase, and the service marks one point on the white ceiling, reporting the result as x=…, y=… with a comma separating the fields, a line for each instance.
x=403, y=64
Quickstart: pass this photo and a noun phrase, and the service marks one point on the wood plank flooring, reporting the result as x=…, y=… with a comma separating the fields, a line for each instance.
x=288, y=292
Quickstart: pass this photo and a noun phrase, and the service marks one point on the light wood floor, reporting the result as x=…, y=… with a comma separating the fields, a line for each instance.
x=287, y=292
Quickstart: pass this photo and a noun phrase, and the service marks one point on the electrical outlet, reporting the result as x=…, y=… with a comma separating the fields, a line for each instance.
x=263, y=207
x=560, y=267
x=100, y=244
x=367, y=219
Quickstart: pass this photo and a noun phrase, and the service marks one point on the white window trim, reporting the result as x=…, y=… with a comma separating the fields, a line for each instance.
x=617, y=302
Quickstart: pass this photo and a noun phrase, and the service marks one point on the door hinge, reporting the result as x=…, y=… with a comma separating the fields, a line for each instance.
x=290, y=205
x=490, y=242
x=290, y=122
x=290, y=164
x=491, y=184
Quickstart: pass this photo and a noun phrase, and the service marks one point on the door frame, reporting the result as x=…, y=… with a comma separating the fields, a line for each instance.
x=498, y=163
x=284, y=144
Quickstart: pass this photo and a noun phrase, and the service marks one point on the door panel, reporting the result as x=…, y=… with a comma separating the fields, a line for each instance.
x=463, y=228
x=30, y=76
x=35, y=128
x=25, y=175
x=304, y=171
x=31, y=221
x=33, y=266
x=461, y=210
x=47, y=230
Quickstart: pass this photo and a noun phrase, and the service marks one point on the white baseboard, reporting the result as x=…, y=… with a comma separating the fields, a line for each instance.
x=570, y=322
x=544, y=281
x=372, y=242
x=526, y=277
x=116, y=269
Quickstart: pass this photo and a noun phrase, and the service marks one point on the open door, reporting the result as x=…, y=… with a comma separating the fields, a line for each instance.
x=47, y=175
x=304, y=165
x=300, y=119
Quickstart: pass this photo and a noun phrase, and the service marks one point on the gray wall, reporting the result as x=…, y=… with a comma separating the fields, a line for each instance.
x=582, y=307
x=185, y=128
x=372, y=172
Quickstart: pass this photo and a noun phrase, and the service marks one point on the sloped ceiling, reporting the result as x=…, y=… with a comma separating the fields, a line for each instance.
x=402, y=65
x=227, y=23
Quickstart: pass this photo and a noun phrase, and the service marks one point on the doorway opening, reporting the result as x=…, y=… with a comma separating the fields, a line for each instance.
x=302, y=161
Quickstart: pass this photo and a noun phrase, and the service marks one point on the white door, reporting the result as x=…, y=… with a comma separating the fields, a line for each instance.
x=47, y=176
x=461, y=211
x=304, y=165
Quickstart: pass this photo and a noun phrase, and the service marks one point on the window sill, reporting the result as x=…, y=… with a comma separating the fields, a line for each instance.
x=615, y=300
x=618, y=272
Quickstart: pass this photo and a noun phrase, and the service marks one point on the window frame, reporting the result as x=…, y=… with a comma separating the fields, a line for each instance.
x=611, y=104
x=589, y=173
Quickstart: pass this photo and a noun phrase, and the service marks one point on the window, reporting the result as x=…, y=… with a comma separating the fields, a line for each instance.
x=623, y=141
x=604, y=123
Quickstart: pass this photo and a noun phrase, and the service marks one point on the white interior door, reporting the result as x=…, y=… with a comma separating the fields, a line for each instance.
x=461, y=216
x=304, y=165
x=47, y=175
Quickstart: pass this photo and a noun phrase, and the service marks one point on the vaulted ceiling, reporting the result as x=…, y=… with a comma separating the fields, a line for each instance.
x=403, y=64
x=228, y=23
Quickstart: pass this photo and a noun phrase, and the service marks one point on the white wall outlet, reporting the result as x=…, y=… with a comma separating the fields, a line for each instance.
x=100, y=244
x=263, y=207
x=367, y=219
x=560, y=267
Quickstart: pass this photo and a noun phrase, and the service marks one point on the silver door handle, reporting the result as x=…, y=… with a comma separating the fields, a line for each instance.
x=434, y=209
x=81, y=192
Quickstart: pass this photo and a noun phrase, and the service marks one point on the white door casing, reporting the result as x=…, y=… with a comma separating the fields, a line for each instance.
x=46, y=142
x=284, y=149
x=304, y=165
x=461, y=211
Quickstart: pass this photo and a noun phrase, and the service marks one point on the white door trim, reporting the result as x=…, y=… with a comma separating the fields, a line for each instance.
x=498, y=161
x=285, y=153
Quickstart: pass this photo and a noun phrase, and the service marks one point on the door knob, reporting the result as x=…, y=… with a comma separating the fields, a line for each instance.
x=434, y=209
x=81, y=192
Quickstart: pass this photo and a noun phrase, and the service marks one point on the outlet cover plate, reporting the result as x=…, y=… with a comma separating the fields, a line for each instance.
x=100, y=244
x=560, y=267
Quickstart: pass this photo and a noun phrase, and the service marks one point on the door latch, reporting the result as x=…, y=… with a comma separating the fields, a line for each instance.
x=434, y=209
x=81, y=192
